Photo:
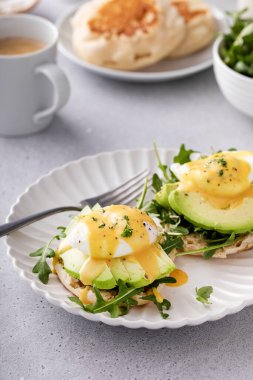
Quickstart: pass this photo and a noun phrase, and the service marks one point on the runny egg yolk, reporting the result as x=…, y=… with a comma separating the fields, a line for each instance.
x=222, y=178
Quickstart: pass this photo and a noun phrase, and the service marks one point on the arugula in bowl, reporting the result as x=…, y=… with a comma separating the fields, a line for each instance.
x=237, y=48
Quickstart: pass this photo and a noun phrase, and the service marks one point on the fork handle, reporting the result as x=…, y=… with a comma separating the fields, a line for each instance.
x=7, y=228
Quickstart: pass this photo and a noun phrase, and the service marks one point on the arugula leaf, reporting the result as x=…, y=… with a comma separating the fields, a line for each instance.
x=156, y=182
x=162, y=167
x=164, y=280
x=177, y=230
x=161, y=306
x=172, y=242
x=173, y=177
x=143, y=195
x=210, y=248
x=151, y=207
x=183, y=155
x=208, y=254
x=117, y=306
x=203, y=294
x=41, y=267
x=61, y=234
x=123, y=302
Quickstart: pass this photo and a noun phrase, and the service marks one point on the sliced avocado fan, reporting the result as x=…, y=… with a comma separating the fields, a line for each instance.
x=202, y=214
x=127, y=269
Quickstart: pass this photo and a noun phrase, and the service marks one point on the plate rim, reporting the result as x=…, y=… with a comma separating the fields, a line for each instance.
x=75, y=309
x=134, y=76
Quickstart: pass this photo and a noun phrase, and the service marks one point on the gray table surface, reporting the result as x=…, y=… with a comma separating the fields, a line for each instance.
x=41, y=341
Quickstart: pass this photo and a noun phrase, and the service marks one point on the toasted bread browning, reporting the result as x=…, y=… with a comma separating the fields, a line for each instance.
x=186, y=12
x=200, y=26
x=124, y=17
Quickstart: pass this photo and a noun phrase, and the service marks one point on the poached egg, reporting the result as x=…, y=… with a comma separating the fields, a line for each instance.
x=111, y=232
x=224, y=178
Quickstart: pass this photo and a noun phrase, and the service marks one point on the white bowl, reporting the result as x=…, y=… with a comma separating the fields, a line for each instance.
x=237, y=88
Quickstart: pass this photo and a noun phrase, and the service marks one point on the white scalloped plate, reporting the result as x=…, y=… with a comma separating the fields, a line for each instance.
x=232, y=279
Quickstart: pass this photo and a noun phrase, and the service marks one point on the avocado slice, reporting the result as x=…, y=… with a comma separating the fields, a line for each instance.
x=105, y=280
x=73, y=260
x=166, y=265
x=137, y=275
x=202, y=214
x=118, y=270
x=136, y=266
x=162, y=196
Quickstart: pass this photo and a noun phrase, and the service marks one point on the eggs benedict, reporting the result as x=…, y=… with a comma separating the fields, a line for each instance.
x=109, y=249
x=211, y=199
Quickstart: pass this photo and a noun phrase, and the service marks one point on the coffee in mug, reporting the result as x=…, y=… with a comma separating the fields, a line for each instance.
x=32, y=86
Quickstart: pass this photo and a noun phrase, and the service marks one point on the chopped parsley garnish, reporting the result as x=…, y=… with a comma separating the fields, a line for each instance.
x=203, y=294
x=221, y=172
x=223, y=162
x=102, y=225
x=127, y=232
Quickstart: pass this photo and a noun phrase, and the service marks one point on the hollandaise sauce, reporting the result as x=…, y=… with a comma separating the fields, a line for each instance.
x=224, y=179
x=180, y=276
x=110, y=225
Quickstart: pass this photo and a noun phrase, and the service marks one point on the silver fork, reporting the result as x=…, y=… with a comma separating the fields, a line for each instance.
x=123, y=194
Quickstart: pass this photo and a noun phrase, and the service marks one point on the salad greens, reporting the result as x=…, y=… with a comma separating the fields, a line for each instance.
x=203, y=294
x=237, y=49
x=123, y=302
x=42, y=267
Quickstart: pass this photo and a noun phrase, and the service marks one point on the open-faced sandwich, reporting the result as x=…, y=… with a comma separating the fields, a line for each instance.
x=110, y=259
x=205, y=203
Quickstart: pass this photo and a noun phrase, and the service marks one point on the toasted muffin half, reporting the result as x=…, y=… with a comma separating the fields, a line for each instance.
x=194, y=242
x=86, y=293
x=126, y=34
x=200, y=26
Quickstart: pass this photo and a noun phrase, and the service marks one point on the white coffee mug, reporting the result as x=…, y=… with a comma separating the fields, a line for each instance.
x=32, y=87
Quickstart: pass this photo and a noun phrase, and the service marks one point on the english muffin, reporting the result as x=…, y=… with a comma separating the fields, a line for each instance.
x=126, y=34
x=200, y=26
x=194, y=241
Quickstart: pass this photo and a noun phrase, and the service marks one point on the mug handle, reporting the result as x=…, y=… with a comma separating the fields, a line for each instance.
x=61, y=88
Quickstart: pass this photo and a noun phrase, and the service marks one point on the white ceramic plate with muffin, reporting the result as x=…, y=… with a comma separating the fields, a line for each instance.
x=165, y=69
